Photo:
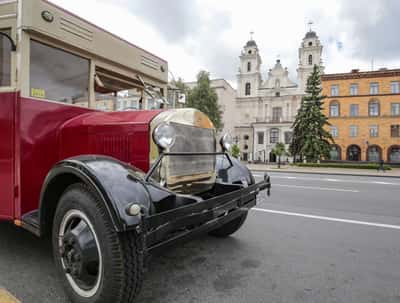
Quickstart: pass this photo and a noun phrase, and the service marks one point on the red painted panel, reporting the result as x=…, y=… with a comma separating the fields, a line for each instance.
x=53, y=131
x=7, y=102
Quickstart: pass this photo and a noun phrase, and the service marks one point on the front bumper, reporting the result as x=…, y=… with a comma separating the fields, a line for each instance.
x=185, y=222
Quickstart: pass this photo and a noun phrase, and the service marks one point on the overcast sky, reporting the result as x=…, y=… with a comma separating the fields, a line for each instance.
x=209, y=34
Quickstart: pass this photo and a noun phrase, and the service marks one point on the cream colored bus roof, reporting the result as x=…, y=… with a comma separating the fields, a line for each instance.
x=41, y=17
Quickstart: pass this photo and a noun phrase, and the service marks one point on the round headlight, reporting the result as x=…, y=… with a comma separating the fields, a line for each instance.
x=227, y=142
x=164, y=135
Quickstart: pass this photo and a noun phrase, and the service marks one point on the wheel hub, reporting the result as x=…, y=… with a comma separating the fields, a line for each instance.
x=80, y=254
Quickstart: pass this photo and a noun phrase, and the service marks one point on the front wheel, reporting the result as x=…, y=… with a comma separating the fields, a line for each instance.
x=95, y=263
x=229, y=228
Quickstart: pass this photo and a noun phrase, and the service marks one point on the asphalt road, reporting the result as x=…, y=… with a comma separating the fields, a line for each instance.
x=318, y=239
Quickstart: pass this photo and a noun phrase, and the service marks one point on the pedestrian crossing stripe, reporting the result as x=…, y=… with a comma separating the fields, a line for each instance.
x=6, y=297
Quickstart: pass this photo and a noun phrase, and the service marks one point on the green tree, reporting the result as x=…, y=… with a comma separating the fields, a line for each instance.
x=235, y=151
x=205, y=99
x=279, y=150
x=311, y=140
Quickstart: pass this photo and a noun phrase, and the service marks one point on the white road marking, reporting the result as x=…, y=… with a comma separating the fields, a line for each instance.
x=330, y=180
x=317, y=188
x=286, y=213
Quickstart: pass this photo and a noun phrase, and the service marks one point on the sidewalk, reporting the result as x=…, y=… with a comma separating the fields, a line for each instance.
x=394, y=173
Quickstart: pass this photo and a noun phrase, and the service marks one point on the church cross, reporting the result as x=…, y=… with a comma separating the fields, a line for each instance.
x=310, y=23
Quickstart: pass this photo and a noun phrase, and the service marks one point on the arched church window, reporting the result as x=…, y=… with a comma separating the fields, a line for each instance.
x=277, y=83
x=248, y=89
x=310, y=43
x=249, y=66
x=310, y=60
x=249, y=52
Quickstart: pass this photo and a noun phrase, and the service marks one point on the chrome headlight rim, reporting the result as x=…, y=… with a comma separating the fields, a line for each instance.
x=164, y=135
x=226, y=142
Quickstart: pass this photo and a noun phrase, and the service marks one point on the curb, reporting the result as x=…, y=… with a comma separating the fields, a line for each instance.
x=324, y=173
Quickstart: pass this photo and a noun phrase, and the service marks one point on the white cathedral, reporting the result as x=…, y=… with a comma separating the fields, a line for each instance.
x=266, y=108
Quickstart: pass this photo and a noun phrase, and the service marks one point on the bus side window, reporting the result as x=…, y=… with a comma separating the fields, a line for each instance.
x=58, y=75
x=5, y=59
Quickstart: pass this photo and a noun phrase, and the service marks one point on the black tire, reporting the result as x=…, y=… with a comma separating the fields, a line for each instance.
x=229, y=228
x=119, y=271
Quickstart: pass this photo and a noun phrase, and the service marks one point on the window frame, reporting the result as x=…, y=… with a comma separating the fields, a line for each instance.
x=334, y=87
x=271, y=137
x=260, y=138
x=334, y=130
x=375, y=133
x=374, y=102
x=331, y=104
x=373, y=85
x=353, y=89
x=65, y=50
x=6, y=25
x=395, y=84
x=392, y=106
x=247, y=89
x=395, y=128
x=353, y=131
x=352, y=106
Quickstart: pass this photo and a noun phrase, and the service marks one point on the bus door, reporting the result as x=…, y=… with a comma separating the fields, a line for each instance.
x=7, y=108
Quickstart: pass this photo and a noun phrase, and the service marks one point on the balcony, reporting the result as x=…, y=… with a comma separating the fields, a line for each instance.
x=274, y=119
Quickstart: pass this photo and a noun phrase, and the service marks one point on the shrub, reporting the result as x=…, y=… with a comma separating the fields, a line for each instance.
x=344, y=165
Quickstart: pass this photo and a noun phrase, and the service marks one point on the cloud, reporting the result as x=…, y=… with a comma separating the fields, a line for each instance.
x=176, y=20
x=374, y=28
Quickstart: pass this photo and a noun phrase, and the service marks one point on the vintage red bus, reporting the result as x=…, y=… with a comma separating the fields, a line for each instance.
x=109, y=185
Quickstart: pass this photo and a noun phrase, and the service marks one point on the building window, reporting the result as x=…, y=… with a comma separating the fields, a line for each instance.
x=310, y=60
x=277, y=83
x=58, y=75
x=373, y=131
x=277, y=94
x=248, y=89
x=334, y=131
x=374, y=88
x=5, y=59
x=334, y=109
x=249, y=66
x=335, y=90
x=260, y=138
x=394, y=154
x=276, y=114
x=310, y=43
x=246, y=137
x=374, y=153
x=395, y=131
x=354, y=89
x=353, y=110
x=395, y=109
x=354, y=153
x=274, y=135
x=245, y=157
x=249, y=52
x=288, y=137
x=246, y=147
x=353, y=130
x=373, y=108
x=335, y=153
x=395, y=87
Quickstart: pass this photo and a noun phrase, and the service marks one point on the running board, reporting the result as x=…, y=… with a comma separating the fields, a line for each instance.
x=30, y=222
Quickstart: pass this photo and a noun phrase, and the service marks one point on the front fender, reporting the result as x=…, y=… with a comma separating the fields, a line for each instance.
x=116, y=183
x=237, y=173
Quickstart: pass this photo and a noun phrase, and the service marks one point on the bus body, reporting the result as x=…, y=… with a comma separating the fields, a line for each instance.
x=76, y=165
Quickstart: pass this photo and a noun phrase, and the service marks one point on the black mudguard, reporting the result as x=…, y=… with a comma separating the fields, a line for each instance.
x=117, y=184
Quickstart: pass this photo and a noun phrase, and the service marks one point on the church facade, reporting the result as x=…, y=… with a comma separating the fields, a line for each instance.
x=266, y=107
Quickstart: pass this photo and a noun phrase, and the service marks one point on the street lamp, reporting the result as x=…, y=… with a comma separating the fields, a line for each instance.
x=13, y=45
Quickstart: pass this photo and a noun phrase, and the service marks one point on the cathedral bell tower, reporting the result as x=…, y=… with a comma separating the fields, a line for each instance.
x=310, y=53
x=249, y=76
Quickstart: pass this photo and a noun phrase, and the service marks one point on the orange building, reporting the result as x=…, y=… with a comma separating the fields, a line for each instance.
x=364, y=112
